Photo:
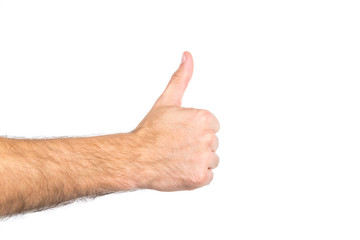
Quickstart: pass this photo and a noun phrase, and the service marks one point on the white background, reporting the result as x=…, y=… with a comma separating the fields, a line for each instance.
x=281, y=76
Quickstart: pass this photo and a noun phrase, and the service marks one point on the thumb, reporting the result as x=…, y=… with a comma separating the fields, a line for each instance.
x=175, y=89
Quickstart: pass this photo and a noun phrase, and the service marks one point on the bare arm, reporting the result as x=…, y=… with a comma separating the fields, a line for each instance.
x=172, y=149
x=41, y=173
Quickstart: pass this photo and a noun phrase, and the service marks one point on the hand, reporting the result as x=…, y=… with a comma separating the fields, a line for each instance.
x=177, y=145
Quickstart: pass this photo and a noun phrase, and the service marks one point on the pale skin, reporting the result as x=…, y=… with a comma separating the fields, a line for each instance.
x=172, y=149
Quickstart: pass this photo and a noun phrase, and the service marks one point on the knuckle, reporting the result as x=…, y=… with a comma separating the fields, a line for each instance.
x=217, y=125
x=198, y=179
x=176, y=77
x=216, y=143
x=205, y=115
x=217, y=161
x=210, y=177
x=202, y=177
x=206, y=156
x=214, y=139
x=210, y=139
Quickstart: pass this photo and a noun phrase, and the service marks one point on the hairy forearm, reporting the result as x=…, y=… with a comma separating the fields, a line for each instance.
x=41, y=173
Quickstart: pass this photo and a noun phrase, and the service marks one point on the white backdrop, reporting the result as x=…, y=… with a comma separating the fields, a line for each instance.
x=281, y=76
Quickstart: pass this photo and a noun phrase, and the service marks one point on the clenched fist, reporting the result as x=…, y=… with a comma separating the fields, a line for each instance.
x=177, y=145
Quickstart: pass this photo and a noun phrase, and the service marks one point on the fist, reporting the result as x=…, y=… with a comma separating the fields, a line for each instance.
x=176, y=146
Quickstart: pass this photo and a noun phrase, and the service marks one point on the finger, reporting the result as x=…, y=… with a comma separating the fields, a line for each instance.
x=215, y=144
x=210, y=177
x=214, y=161
x=207, y=120
x=210, y=141
x=215, y=124
x=172, y=96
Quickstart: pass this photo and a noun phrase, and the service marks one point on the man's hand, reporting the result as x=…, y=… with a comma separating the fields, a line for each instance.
x=173, y=148
x=177, y=145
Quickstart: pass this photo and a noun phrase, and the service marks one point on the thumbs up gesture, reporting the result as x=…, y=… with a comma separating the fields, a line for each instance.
x=177, y=145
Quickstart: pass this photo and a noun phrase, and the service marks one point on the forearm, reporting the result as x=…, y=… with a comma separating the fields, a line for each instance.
x=40, y=173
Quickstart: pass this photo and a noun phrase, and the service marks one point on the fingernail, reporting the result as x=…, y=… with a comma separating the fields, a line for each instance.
x=183, y=58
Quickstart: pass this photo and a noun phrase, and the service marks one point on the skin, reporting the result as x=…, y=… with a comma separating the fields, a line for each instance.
x=172, y=149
